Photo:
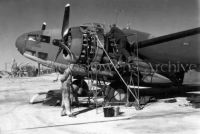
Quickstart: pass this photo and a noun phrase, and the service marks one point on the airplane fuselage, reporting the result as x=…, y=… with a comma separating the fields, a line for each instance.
x=178, y=54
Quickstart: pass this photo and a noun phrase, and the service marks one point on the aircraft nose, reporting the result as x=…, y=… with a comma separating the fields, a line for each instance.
x=21, y=44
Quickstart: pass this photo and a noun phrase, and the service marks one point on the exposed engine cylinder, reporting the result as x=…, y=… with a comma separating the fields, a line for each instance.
x=85, y=45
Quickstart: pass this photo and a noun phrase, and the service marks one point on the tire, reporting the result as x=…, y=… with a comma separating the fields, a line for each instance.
x=116, y=92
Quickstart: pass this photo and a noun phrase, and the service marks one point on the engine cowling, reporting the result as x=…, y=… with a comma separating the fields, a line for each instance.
x=84, y=44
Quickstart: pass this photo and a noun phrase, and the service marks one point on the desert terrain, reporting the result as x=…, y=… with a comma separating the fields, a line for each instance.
x=17, y=116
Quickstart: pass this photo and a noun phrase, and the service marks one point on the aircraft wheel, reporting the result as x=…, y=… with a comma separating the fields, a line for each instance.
x=116, y=92
x=81, y=87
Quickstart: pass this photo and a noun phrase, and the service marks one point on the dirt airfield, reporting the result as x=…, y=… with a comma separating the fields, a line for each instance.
x=17, y=116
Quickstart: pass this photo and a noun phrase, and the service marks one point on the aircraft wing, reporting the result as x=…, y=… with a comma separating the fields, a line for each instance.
x=182, y=47
x=167, y=38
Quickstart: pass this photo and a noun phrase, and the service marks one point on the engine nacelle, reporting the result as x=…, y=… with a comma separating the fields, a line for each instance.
x=84, y=44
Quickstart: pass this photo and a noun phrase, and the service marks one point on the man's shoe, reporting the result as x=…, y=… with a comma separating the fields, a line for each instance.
x=63, y=113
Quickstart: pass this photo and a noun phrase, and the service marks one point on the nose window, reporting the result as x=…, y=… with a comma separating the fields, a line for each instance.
x=30, y=52
x=43, y=55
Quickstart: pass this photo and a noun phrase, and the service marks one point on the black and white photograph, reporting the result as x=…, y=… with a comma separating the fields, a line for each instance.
x=99, y=66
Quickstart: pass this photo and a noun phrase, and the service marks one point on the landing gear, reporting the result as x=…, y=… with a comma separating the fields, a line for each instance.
x=177, y=78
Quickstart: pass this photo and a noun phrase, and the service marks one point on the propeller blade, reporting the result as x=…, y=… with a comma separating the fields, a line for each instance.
x=62, y=46
x=58, y=53
x=44, y=26
x=65, y=25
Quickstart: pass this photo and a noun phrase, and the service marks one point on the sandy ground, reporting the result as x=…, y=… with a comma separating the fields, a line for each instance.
x=17, y=116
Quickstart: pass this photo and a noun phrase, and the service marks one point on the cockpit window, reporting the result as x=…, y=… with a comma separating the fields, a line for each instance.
x=44, y=38
x=39, y=38
x=32, y=37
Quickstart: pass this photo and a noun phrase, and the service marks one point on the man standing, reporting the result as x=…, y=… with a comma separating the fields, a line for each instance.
x=67, y=91
x=121, y=40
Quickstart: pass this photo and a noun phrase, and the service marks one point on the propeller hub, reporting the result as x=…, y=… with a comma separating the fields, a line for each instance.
x=56, y=42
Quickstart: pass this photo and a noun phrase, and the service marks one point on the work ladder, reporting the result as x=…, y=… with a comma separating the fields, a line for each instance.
x=136, y=90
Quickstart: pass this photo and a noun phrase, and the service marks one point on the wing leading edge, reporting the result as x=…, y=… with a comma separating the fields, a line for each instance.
x=169, y=37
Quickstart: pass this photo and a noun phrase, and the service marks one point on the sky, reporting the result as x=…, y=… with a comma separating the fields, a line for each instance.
x=158, y=17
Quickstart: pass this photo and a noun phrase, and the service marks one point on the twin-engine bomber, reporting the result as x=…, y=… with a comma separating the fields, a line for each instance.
x=154, y=60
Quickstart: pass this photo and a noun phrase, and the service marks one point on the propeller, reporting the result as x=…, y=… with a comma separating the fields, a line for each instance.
x=65, y=29
x=44, y=26
x=58, y=53
x=65, y=25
